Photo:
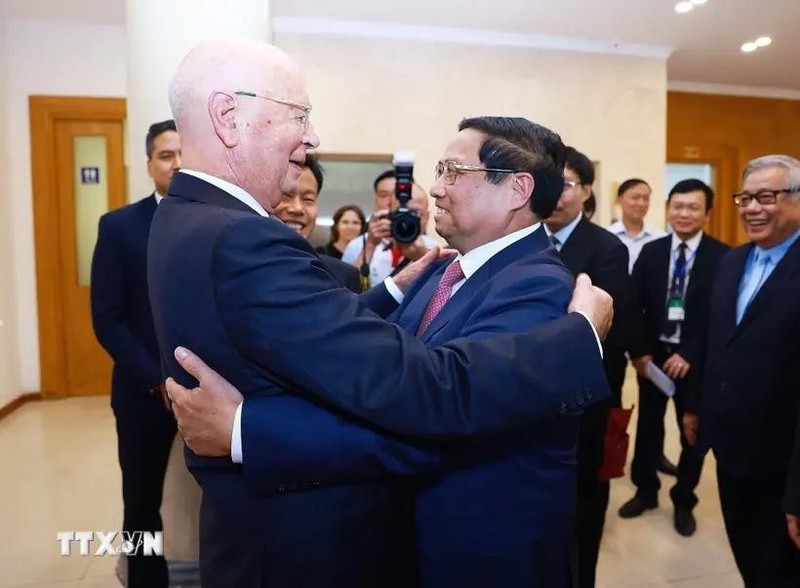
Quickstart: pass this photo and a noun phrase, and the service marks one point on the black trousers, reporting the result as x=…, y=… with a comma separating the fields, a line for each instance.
x=650, y=442
x=756, y=528
x=593, y=494
x=144, y=441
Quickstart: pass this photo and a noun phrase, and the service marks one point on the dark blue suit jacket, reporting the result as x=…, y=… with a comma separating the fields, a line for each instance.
x=121, y=308
x=748, y=393
x=501, y=513
x=252, y=298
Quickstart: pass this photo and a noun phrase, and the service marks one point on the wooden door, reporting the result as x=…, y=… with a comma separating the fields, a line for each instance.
x=78, y=175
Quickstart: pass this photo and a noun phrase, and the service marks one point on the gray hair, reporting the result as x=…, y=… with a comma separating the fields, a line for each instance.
x=786, y=162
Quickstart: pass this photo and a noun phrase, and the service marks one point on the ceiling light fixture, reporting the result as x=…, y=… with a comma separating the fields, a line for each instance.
x=763, y=41
x=684, y=7
x=749, y=47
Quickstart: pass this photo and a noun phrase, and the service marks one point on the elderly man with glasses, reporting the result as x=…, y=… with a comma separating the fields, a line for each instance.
x=746, y=397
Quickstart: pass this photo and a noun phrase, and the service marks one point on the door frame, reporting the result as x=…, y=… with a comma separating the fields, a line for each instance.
x=44, y=112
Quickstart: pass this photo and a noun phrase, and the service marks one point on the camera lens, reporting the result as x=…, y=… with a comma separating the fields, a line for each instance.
x=405, y=225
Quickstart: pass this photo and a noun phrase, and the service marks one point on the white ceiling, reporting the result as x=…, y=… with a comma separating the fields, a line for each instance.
x=705, y=42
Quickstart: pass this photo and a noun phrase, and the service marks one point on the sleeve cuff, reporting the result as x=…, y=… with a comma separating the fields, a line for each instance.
x=236, y=436
x=396, y=293
x=596, y=336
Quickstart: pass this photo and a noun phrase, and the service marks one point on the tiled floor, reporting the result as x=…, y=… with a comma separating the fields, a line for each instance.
x=59, y=468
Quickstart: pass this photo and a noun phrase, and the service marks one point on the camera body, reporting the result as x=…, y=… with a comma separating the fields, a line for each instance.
x=406, y=225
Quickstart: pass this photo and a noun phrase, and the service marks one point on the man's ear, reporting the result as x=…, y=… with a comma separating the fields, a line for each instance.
x=222, y=110
x=523, y=188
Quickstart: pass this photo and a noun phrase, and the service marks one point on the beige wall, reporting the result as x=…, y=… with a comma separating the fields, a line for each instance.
x=374, y=95
x=369, y=96
x=9, y=364
x=51, y=59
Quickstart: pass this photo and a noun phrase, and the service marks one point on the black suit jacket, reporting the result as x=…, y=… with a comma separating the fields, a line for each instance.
x=121, y=308
x=592, y=250
x=749, y=388
x=650, y=283
x=344, y=272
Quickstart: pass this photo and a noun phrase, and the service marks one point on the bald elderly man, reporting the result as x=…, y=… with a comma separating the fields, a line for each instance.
x=236, y=286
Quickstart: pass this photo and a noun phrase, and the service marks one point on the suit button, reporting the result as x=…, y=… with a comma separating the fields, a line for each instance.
x=316, y=483
x=563, y=407
x=281, y=488
x=580, y=401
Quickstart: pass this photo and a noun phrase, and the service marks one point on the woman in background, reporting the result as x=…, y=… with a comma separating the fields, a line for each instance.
x=348, y=223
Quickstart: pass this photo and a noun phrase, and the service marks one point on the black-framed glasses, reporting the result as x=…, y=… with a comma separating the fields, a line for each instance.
x=303, y=119
x=763, y=197
x=450, y=170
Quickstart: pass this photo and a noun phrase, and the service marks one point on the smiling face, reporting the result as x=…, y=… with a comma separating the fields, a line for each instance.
x=634, y=203
x=686, y=213
x=272, y=138
x=769, y=225
x=471, y=211
x=298, y=208
x=349, y=226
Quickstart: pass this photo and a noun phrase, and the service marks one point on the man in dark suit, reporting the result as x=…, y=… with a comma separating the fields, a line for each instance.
x=215, y=260
x=587, y=248
x=745, y=399
x=124, y=327
x=298, y=210
x=672, y=295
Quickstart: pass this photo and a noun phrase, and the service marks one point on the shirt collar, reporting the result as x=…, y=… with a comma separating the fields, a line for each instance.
x=691, y=244
x=618, y=228
x=473, y=260
x=778, y=251
x=158, y=196
x=232, y=189
x=564, y=232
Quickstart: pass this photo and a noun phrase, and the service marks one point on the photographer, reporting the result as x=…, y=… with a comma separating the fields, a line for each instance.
x=383, y=255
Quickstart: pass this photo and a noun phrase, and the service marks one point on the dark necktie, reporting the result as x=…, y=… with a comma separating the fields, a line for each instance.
x=451, y=276
x=554, y=240
x=676, y=288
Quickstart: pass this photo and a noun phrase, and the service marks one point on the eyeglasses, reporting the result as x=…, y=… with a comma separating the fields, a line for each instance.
x=451, y=170
x=303, y=119
x=570, y=184
x=763, y=197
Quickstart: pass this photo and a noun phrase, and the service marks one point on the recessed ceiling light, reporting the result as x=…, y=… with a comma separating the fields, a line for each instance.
x=698, y=2
x=684, y=7
x=749, y=47
x=763, y=41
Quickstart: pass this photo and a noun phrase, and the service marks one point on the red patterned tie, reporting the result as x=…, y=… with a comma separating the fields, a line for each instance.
x=451, y=276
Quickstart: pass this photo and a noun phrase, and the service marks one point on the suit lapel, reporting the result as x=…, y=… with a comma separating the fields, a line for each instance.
x=191, y=188
x=575, y=253
x=532, y=244
x=774, y=285
x=700, y=267
x=729, y=283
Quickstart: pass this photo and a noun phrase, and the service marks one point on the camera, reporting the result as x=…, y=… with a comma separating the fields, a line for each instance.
x=405, y=221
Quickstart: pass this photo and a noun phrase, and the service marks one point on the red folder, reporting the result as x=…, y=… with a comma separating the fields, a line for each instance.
x=615, y=444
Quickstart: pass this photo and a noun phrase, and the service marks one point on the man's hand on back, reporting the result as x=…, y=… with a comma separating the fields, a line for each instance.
x=593, y=302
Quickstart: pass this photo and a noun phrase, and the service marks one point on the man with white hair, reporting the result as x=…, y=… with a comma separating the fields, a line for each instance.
x=226, y=277
x=745, y=401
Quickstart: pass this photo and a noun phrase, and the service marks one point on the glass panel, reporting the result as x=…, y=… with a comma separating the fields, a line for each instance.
x=91, y=197
x=685, y=171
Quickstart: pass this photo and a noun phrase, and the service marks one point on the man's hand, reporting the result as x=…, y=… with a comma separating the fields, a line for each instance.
x=205, y=414
x=379, y=227
x=640, y=365
x=595, y=303
x=793, y=525
x=406, y=277
x=676, y=367
x=690, y=424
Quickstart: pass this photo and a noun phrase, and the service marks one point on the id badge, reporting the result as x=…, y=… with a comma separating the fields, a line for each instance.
x=675, y=310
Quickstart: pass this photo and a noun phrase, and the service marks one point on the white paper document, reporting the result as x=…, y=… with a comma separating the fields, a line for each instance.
x=660, y=379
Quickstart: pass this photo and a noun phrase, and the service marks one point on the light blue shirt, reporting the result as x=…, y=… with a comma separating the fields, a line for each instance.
x=757, y=269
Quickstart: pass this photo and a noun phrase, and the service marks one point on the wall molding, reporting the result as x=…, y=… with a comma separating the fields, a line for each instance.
x=732, y=90
x=464, y=36
x=19, y=401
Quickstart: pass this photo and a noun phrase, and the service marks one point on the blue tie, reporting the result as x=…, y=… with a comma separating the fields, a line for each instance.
x=676, y=288
x=762, y=262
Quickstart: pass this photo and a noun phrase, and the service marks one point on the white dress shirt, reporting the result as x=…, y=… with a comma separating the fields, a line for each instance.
x=635, y=244
x=564, y=232
x=691, y=251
